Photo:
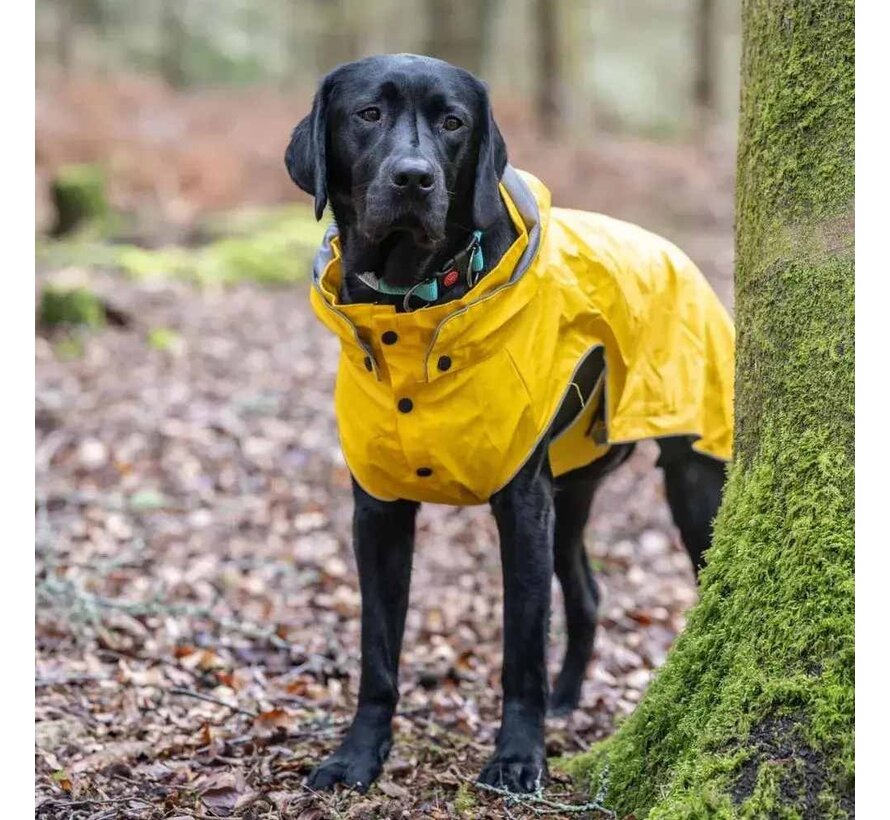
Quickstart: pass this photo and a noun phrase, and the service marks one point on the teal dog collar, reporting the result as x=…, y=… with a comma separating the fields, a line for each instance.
x=468, y=263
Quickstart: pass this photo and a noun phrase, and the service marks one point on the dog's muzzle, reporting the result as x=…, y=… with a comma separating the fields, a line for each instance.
x=407, y=195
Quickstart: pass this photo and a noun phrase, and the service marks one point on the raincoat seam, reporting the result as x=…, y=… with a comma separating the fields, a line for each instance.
x=577, y=416
x=546, y=427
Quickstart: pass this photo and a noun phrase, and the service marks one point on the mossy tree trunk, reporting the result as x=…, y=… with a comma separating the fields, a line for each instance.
x=752, y=715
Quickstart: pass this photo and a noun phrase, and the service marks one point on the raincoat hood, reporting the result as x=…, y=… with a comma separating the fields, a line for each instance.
x=586, y=324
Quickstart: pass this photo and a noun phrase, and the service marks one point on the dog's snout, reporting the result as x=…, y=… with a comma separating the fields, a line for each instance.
x=413, y=174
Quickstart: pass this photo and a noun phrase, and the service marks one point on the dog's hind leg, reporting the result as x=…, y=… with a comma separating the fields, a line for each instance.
x=579, y=590
x=694, y=484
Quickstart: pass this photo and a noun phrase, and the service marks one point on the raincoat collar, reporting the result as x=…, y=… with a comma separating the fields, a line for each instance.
x=356, y=323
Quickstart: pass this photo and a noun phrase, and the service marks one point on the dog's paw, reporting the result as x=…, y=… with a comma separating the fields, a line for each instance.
x=520, y=774
x=565, y=698
x=355, y=769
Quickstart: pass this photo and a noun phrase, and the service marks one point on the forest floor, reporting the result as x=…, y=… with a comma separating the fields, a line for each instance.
x=197, y=604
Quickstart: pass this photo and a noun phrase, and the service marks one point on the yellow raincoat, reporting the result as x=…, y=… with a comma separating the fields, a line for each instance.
x=446, y=403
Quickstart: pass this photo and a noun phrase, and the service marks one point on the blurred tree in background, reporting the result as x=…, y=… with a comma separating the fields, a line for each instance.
x=651, y=66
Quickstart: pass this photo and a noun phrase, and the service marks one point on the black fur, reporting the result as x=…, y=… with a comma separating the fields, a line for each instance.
x=406, y=193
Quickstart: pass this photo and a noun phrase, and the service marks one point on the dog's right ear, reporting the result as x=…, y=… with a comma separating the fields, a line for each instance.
x=305, y=157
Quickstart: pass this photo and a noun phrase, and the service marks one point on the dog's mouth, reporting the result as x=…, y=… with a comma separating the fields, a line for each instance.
x=405, y=226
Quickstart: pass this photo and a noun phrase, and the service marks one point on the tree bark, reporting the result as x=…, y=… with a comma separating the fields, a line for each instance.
x=174, y=43
x=752, y=715
x=66, y=35
x=459, y=32
x=704, y=87
x=549, y=80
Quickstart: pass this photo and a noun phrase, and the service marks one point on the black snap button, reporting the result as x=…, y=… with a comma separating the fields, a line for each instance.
x=424, y=472
x=444, y=363
x=390, y=337
x=368, y=366
x=405, y=405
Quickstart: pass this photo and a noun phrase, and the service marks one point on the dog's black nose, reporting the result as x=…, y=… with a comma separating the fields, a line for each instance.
x=413, y=174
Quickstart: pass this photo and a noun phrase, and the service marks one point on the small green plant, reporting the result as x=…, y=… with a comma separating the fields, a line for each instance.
x=465, y=800
x=148, y=500
x=70, y=307
x=69, y=347
x=164, y=339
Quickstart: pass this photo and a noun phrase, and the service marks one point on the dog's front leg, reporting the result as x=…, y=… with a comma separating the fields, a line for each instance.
x=524, y=514
x=383, y=536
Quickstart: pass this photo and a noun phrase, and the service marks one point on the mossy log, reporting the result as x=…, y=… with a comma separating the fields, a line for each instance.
x=78, y=195
x=752, y=715
x=269, y=246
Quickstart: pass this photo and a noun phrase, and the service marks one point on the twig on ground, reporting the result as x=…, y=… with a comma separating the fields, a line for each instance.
x=536, y=799
x=85, y=802
x=54, y=591
x=68, y=680
x=176, y=690
x=325, y=799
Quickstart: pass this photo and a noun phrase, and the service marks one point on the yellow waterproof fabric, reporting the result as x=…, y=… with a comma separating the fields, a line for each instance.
x=455, y=430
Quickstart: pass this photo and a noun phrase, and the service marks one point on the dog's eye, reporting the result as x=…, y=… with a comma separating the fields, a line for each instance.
x=370, y=114
x=451, y=123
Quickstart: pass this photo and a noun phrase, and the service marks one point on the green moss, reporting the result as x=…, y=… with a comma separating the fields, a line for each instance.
x=69, y=347
x=70, y=307
x=78, y=195
x=271, y=247
x=77, y=251
x=465, y=800
x=796, y=175
x=752, y=715
x=782, y=559
x=164, y=339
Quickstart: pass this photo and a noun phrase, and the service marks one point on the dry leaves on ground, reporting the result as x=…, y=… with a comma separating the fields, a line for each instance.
x=197, y=598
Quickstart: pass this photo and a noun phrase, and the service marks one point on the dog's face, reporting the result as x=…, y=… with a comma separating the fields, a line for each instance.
x=400, y=144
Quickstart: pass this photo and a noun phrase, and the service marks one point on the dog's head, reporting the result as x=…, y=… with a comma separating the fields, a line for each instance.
x=400, y=144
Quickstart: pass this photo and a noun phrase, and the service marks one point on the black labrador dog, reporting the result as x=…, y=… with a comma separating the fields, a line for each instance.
x=407, y=151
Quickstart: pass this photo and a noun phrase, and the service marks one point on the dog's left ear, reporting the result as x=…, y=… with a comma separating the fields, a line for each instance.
x=489, y=167
x=305, y=157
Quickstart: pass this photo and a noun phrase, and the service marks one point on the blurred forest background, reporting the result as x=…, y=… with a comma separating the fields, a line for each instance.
x=186, y=105
x=197, y=602
x=645, y=66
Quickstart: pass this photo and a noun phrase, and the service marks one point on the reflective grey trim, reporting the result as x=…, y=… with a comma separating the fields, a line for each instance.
x=525, y=203
x=324, y=254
